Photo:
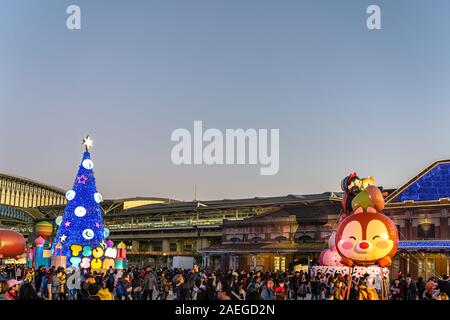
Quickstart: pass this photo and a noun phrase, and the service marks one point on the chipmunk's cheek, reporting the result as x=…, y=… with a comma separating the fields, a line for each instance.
x=347, y=245
x=382, y=245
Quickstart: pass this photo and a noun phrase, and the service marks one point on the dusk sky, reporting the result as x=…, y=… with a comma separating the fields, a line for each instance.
x=344, y=98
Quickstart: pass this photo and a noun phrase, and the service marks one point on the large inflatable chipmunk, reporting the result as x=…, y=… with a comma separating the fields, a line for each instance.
x=367, y=237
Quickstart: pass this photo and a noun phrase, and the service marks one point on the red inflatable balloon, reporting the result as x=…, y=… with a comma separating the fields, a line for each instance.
x=367, y=238
x=12, y=244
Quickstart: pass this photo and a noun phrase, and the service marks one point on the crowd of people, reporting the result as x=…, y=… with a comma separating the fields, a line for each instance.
x=134, y=283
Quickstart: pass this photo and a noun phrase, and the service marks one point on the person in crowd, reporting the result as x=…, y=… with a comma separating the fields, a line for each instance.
x=165, y=285
x=136, y=285
x=148, y=285
x=13, y=289
x=315, y=288
x=267, y=291
x=430, y=288
x=443, y=286
x=420, y=286
x=180, y=288
x=396, y=291
x=123, y=288
x=28, y=292
x=56, y=285
x=339, y=289
x=19, y=273
x=48, y=284
x=104, y=293
x=39, y=274
x=409, y=289
x=3, y=289
x=303, y=286
x=225, y=291
x=93, y=291
x=62, y=277
x=29, y=275
x=280, y=291
x=329, y=288
x=295, y=285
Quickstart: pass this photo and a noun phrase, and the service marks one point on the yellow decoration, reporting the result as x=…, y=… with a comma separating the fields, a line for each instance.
x=76, y=249
x=365, y=182
x=47, y=253
x=96, y=264
x=97, y=252
x=107, y=263
x=121, y=245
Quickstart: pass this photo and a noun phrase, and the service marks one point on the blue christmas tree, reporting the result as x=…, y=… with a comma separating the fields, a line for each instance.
x=82, y=222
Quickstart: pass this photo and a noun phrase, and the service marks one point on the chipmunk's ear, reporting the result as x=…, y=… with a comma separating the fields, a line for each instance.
x=359, y=210
x=371, y=210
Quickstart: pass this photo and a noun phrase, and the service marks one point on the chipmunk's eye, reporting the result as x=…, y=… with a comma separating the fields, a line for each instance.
x=352, y=237
x=375, y=237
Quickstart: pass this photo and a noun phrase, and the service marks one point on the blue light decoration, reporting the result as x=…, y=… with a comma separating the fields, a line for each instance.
x=424, y=244
x=433, y=185
x=82, y=222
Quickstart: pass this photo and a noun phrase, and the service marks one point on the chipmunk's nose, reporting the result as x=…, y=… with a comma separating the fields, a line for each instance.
x=363, y=245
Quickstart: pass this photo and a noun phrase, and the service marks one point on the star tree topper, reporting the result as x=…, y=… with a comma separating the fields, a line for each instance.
x=88, y=142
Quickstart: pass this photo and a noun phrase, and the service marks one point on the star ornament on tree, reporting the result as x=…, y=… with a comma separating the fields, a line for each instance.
x=67, y=224
x=97, y=225
x=63, y=238
x=88, y=142
x=82, y=179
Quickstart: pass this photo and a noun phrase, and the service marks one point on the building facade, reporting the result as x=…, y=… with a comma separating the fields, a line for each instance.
x=420, y=208
x=274, y=233
x=287, y=238
x=295, y=235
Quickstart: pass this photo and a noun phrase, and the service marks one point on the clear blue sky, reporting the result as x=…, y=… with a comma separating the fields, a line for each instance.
x=344, y=98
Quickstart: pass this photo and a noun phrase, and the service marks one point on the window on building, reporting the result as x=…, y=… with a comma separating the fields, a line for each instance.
x=280, y=239
x=425, y=231
x=279, y=264
x=173, y=247
x=188, y=247
x=144, y=246
x=304, y=238
x=421, y=267
x=256, y=239
x=430, y=268
x=157, y=246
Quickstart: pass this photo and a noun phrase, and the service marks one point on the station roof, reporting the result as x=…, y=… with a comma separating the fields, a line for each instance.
x=228, y=204
x=33, y=182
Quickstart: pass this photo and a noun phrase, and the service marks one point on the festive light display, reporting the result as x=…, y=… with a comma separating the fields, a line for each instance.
x=82, y=224
x=423, y=244
x=433, y=185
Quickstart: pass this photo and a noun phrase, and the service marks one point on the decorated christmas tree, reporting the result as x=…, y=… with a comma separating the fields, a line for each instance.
x=82, y=223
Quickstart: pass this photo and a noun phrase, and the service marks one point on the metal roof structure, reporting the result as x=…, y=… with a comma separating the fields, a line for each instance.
x=211, y=205
x=33, y=182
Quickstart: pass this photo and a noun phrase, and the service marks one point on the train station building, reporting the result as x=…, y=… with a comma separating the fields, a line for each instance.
x=272, y=233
